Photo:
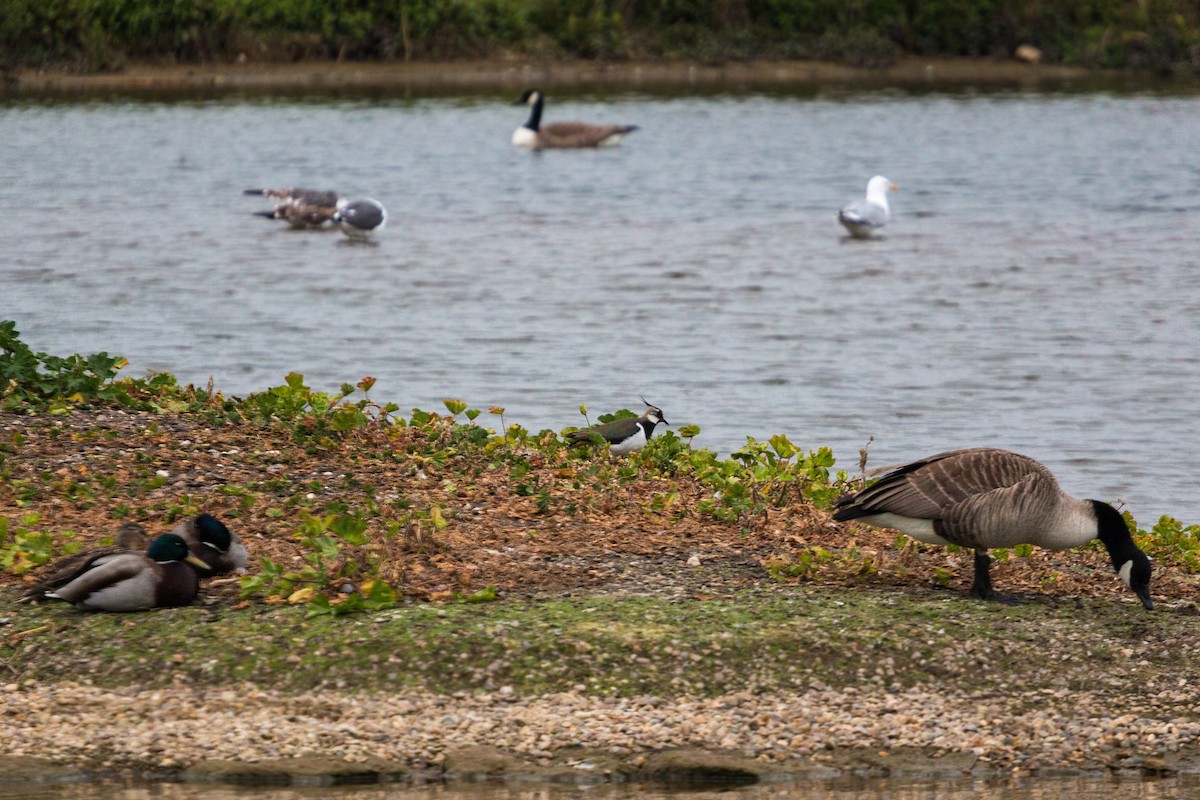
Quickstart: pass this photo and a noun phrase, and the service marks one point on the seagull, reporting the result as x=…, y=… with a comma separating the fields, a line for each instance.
x=864, y=217
x=359, y=219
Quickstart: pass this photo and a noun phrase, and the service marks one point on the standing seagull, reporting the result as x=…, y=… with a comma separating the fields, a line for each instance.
x=536, y=136
x=983, y=497
x=623, y=435
x=302, y=208
x=863, y=217
x=360, y=219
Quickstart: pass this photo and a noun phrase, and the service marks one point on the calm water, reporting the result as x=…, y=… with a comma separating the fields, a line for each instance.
x=1036, y=290
x=1074, y=788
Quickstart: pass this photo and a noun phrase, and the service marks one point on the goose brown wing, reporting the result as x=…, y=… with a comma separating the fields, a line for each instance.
x=578, y=134
x=933, y=487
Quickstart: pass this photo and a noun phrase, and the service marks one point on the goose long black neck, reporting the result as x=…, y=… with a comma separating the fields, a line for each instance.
x=1112, y=531
x=1129, y=562
x=535, y=114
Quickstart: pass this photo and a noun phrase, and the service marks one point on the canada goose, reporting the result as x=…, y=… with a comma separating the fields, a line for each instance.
x=623, y=435
x=536, y=136
x=360, y=219
x=218, y=548
x=863, y=217
x=130, y=538
x=983, y=497
x=134, y=582
x=302, y=208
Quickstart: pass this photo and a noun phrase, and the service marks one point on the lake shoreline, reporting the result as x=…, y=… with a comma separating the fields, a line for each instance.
x=602, y=627
x=516, y=74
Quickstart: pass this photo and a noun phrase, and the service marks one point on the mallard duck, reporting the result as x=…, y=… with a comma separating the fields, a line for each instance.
x=984, y=497
x=623, y=435
x=164, y=577
x=534, y=135
x=214, y=544
x=130, y=538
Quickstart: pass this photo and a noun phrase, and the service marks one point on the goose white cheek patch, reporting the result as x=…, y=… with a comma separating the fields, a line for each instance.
x=1125, y=571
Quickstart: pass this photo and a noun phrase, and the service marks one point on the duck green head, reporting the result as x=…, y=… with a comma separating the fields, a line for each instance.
x=213, y=532
x=169, y=547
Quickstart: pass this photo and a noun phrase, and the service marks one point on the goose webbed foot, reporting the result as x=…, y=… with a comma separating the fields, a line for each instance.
x=981, y=587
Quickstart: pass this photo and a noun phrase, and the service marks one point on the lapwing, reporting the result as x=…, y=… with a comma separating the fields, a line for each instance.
x=623, y=435
x=863, y=218
x=984, y=497
x=536, y=136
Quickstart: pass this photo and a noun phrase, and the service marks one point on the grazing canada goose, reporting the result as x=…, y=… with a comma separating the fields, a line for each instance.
x=983, y=497
x=135, y=582
x=623, y=435
x=218, y=548
x=533, y=134
x=302, y=208
x=130, y=538
x=864, y=217
x=360, y=219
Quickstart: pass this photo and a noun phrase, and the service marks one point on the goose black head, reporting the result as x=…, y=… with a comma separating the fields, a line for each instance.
x=529, y=98
x=1130, y=563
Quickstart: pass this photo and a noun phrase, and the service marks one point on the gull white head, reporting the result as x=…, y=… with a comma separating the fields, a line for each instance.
x=878, y=188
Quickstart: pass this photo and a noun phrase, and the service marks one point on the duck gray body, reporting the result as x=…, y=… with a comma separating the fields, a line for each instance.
x=160, y=578
x=129, y=538
x=219, y=548
x=623, y=435
x=300, y=207
x=563, y=135
x=985, y=497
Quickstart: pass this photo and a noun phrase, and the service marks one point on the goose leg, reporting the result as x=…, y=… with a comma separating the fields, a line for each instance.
x=981, y=587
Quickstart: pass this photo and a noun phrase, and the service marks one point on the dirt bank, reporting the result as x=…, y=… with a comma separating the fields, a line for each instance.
x=518, y=74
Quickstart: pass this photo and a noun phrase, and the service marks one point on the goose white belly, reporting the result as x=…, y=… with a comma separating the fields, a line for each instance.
x=919, y=529
x=524, y=137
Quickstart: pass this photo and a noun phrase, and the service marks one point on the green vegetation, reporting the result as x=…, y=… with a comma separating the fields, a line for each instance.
x=101, y=35
x=760, y=640
x=375, y=518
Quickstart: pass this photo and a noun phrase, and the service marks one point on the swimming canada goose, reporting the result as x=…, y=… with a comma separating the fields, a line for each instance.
x=135, y=582
x=302, y=208
x=218, y=548
x=533, y=134
x=983, y=497
x=130, y=538
x=864, y=217
x=360, y=219
x=623, y=435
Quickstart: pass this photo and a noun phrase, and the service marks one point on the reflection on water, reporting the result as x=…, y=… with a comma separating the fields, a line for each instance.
x=1035, y=290
x=1062, y=788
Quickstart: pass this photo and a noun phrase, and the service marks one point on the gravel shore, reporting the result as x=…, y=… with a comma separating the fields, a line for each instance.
x=820, y=731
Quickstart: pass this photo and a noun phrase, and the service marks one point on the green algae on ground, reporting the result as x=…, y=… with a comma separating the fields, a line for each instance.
x=781, y=638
